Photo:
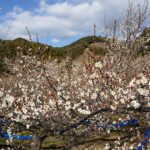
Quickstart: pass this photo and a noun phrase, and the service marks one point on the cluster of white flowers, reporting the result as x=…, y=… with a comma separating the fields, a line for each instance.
x=99, y=65
x=93, y=96
x=135, y=104
x=9, y=99
x=144, y=92
x=83, y=111
x=1, y=93
x=107, y=146
x=50, y=92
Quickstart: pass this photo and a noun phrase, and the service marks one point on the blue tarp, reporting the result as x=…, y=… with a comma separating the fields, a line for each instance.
x=16, y=137
x=145, y=141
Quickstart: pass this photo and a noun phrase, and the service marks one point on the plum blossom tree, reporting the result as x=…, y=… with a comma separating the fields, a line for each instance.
x=46, y=101
x=76, y=102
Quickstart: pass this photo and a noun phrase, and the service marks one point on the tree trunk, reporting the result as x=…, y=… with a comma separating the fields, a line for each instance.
x=36, y=143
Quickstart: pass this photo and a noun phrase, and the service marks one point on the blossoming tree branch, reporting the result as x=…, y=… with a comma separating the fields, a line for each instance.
x=70, y=100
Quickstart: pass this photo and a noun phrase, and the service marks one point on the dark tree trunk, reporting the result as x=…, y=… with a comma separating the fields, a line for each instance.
x=36, y=143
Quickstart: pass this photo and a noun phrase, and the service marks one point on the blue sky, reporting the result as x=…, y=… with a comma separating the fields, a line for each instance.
x=57, y=22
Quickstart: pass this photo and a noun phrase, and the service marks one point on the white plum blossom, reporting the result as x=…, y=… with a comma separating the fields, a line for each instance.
x=133, y=97
x=1, y=93
x=131, y=147
x=27, y=126
x=24, y=117
x=90, y=82
x=10, y=115
x=113, y=93
x=143, y=92
x=83, y=101
x=113, y=107
x=82, y=94
x=67, y=105
x=99, y=65
x=82, y=111
x=75, y=82
x=131, y=84
x=10, y=99
x=24, y=110
x=125, y=92
x=135, y=104
x=138, y=81
x=94, y=75
x=122, y=101
x=60, y=102
x=144, y=80
x=102, y=93
x=93, y=96
x=107, y=146
x=76, y=105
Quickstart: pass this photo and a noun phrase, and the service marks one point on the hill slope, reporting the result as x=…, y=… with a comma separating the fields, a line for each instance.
x=10, y=49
